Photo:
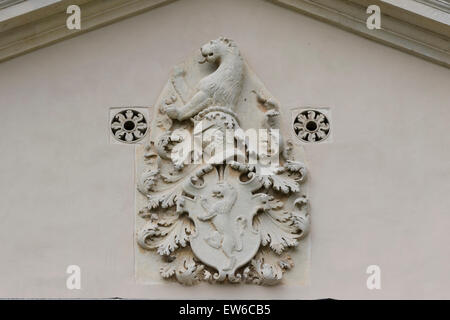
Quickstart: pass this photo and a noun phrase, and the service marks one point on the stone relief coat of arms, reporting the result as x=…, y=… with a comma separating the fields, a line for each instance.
x=221, y=189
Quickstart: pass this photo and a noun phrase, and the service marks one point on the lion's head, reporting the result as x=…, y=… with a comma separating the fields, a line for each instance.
x=214, y=50
x=223, y=190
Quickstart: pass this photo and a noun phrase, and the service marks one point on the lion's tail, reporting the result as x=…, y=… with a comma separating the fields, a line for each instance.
x=241, y=223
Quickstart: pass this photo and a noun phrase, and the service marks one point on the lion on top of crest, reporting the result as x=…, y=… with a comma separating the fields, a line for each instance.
x=221, y=88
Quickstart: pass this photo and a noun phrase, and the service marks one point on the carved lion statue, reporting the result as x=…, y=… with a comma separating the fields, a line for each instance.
x=221, y=88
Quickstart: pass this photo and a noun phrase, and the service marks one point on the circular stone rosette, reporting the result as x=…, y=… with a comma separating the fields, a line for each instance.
x=311, y=126
x=129, y=126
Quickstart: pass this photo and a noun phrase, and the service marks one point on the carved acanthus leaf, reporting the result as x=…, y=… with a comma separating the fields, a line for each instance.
x=148, y=180
x=296, y=166
x=286, y=178
x=300, y=215
x=284, y=183
x=184, y=267
x=167, y=199
x=166, y=235
x=276, y=227
x=170, y=199
x=267, y=268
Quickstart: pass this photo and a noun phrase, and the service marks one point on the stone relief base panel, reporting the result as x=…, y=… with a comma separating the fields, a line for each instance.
x=216, y=208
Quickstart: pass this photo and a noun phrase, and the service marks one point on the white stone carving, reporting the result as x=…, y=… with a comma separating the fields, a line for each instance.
x=129, y=126
x=311, y=126
x=213, y=216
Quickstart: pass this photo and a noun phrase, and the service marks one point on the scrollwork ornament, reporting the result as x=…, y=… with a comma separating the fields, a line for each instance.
x=211, y=216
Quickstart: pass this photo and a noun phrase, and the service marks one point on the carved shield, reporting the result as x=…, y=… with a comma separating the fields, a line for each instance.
x=223, y=212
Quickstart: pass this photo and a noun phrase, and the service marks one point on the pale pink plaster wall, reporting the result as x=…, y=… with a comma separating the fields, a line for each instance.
x=379, y=192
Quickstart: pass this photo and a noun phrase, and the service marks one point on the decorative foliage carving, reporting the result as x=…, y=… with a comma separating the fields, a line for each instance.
x=276, y=227
x=267, y=268
x=184, y=268
x=311, y=126
x=129, y=126
x=213, y=216
x=286, y=178
x=167, y=234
